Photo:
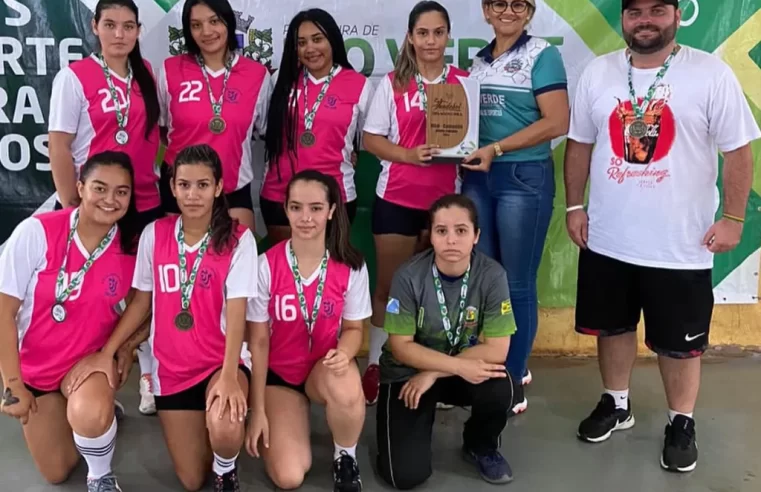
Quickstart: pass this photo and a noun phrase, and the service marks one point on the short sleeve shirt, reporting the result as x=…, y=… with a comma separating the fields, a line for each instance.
x=413, y=309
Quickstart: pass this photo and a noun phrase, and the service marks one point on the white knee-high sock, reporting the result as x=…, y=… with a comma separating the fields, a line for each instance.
x=378, y=337
x=144, y=358
x=97, y=452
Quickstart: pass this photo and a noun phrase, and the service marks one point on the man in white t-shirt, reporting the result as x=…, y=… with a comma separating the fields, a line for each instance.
x=648, y=239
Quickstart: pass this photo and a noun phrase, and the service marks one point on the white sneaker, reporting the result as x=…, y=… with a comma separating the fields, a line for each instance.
x=527, y=378
x=147, y=401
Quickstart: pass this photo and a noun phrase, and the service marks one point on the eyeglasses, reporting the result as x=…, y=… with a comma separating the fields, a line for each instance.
x=518, y=6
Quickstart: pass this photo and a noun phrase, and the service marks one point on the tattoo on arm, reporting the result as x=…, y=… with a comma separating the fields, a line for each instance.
x=12, y=380
x=139, y=336
x=8, y=398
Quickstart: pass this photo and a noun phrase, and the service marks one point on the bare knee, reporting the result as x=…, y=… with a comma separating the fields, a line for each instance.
x=222, y=432
x=286, y=475
x=342, y=391
x=191, y=480
x=90, y=416
x=58, y=471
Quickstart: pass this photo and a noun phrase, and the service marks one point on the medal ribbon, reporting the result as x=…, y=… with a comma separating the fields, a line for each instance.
x=216, y=105
x=454, y=338
x=62, y=292
x=122, y=116
x=187, y=282
x=421, y=86
x=310, y=320
x=639, y=110
x=309, y=115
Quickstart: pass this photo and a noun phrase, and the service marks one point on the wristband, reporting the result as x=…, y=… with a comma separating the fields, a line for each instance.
x=734, y=218
x=575, y=207
x=498, y=149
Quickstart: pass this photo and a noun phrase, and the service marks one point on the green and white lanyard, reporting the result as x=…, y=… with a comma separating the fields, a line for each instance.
x=62, y=292
x=308, y=138
x=421, y=86
x=122, y=114
x=217, y=125
x=638, y=128
x=188, y=281
x=454, y=338
x=310, y=320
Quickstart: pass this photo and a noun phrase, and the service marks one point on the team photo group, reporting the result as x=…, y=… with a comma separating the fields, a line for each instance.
x=158, y=257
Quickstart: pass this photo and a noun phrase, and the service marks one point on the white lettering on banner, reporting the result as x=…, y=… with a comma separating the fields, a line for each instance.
x=33, y=108
x=190, y=91
x=18, y=161
x=25, y=15
x=169, y=278
x=283, y=310
x=10, y=57
x=107, y=104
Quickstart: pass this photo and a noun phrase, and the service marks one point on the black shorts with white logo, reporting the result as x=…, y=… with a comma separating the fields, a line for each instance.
x=677, y=304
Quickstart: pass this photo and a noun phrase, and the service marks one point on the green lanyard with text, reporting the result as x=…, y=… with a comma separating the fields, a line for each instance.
x=454, y=338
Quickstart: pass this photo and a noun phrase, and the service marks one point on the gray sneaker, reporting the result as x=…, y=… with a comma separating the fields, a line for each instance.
x=103, y=484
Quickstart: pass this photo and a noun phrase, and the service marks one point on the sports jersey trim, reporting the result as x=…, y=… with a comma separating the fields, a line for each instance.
x=550, y=88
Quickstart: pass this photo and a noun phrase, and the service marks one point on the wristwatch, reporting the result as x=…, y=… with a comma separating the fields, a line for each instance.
x=497, y=149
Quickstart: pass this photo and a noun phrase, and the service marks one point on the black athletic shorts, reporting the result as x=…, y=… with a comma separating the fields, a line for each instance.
x=38, y=392
x=274, y=212
x=193, y=398
x=677, y=304
x=143, y=218
x=274, y=380
x=237, y=199
x=390, y=218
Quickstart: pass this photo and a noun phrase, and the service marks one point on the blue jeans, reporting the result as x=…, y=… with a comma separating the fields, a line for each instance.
x=514, y=203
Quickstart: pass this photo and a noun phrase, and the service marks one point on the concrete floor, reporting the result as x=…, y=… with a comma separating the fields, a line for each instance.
x=540, y=444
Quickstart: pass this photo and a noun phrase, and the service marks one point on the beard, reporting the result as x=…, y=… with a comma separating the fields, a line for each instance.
x=654, y=44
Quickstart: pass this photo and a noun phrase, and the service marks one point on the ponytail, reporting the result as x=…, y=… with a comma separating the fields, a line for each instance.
x=406, y=67
x=222, y=225
x=338, y=230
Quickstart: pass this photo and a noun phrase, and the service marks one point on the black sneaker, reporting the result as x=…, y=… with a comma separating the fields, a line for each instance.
x=227, y=482
x=605, y=419
x=680, y=446
x=346, y=474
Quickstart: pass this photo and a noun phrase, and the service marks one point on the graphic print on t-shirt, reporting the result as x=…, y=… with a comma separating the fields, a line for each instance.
x=637, y=158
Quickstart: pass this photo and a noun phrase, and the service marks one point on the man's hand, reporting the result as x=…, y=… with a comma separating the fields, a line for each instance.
x=723, y=236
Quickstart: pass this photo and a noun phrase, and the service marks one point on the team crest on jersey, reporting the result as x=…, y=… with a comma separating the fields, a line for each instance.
x=205, y=277
x=254, y=43
x=393, y=306
x=111, y=285
x=514, y=66
x=471, y=317
x=329, y=308
x=331, y=101
x=507, y=308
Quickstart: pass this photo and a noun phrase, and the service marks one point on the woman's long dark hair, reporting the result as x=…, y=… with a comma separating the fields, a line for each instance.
x=128, y=225
x=140, y=72
x=338, y=230
x=282, y=120
x=406, y=63
x=222, y=225
x=225, y=13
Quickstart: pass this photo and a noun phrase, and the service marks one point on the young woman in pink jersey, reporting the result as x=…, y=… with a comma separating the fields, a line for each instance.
x=184, y=277
x=214, y=95
x=64, y=278
x=108, y=101
x=326, y=101
x=305, y=331
x=395, y=132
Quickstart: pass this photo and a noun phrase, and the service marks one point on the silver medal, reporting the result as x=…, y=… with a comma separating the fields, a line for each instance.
x=122, y=137
x=59, y=313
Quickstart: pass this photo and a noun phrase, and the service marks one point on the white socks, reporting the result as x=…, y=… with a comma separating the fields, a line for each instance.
x=378, y=337
x=223, y=465
x=673, y=414
x=621, y=398
x=98, y=452
x=352, y=451
x=144, y=358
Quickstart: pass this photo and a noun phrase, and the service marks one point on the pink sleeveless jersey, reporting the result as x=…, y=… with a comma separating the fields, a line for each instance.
x=409, y=185
x=289, y=355
x=335, y=127
x=189, y=112
x=49, y=350
x=101, y=111
x=185, y=358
